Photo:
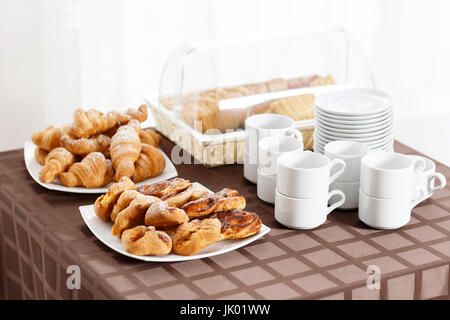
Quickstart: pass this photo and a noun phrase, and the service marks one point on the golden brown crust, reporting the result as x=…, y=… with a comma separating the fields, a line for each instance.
x=193, y=236
x=124, y=200
x=223, y=200
x=57, y=161
x=190, y=194
x=299, y=107
x=91, y=122
x=40, y=155
x=150, y=137
x=140, y=115
x=84, y=146
x=143, y=241
x=150, y=163
x=165, y=189
x=50, y=138
x=160, y=215
x=104, y=204
x=237, y=224
x=133, y=215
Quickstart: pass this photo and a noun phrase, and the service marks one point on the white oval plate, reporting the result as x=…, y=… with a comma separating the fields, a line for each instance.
x=102, y=230
x=34, y=167
x=354, y=120
x=379, y=142
x=324, y=136
x=343, y=134
x=348, y=128
x=354, y=102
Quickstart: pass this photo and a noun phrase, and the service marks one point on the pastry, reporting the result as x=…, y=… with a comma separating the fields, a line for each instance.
x=125, y=149
x=124, y=200
x=298, y=83
x=140, y=115
x=160, y=215
x=93, y=171
x=40, y=155
x=277, y=84
x=180, y=199
x=237, y=224
x=133, y=215
x=319, y=81
x=91, y=122
x=193, y=236
x=299, y=107
x=57, y=161
x=150, y=137
x=50, y=138
x=105, y=203
x=143, y=241
x=165, y=189
x=150, y=163
x=83, y=146
x=223, y=200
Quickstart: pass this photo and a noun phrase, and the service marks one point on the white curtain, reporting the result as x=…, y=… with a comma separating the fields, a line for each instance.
x=57, y=55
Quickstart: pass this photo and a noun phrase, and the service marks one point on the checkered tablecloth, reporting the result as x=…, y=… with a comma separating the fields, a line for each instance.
x=42, y=233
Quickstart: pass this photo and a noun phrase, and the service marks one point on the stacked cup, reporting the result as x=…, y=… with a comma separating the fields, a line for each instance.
x=351, y=152
x=389, y=189
x=303, y=180
x=269, y=150
x=258, y=127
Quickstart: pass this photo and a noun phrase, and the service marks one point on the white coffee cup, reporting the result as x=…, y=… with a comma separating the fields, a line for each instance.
x=385, y=213
x=351, y=191
x=305, y=174
x=266, y=125
x=250, y=167
x=270, y=149
x=351, y=152
x=266, y=186
x=425, y=181
x=389, y=175
x=305, y=213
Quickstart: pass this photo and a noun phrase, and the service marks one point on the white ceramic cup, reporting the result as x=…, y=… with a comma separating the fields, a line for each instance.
x=351, y=191
x=266, y=125
x=305, y=213
x=389, y=175
x=266, y=186
x=351, y=152
x=425, y=181
x=305, y=174
x=270, y=149
x=385, y=213
x=250, y=167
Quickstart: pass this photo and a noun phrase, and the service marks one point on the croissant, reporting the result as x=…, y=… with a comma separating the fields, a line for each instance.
x=143, y=241
x=193, y=236
x=223, y=200
x=91, y=122
x=49, y=139
x=83, y=146
x=125, y=149
x=237, y=224
x=160, y=215
x=150, y=137
x=57, y=161
x=140, y=115
x=165, y=189
x=133, y=215
x=92, y=172
x=104, y=204
x=150, y=163
x=40, y=155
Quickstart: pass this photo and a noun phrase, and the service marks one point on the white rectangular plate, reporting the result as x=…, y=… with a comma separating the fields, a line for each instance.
x=34, y=167
x=102, y=230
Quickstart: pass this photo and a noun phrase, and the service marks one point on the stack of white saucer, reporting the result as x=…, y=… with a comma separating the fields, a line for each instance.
x=362, y=115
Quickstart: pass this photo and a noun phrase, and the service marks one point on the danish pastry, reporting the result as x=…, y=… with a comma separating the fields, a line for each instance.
x=165, y=189
x=57, y=161
x=193, y=236
x=160, y=215
x=124, y=200
x=133, y=215
x=143, y=241
x=237, y=224
x=190, y=194
x=105, y=203
x=223, y=200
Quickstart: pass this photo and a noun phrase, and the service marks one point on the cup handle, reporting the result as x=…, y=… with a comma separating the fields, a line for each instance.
x=335, y=162
x=442, y=180
x=421, y=167
x=296, y=134
x=337, y=204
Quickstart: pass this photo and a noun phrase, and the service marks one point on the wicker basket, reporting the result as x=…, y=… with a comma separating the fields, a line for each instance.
x=211, y=151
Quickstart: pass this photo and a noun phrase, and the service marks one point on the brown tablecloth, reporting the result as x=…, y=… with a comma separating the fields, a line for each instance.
x=42, y=233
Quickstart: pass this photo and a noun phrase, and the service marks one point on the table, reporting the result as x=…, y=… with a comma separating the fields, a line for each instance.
x=42, y=233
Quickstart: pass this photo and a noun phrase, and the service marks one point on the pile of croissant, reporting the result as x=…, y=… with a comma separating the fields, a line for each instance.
x=97, y=149
x=174, y=216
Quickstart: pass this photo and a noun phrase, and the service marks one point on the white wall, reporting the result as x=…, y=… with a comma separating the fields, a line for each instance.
x=56, y=55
